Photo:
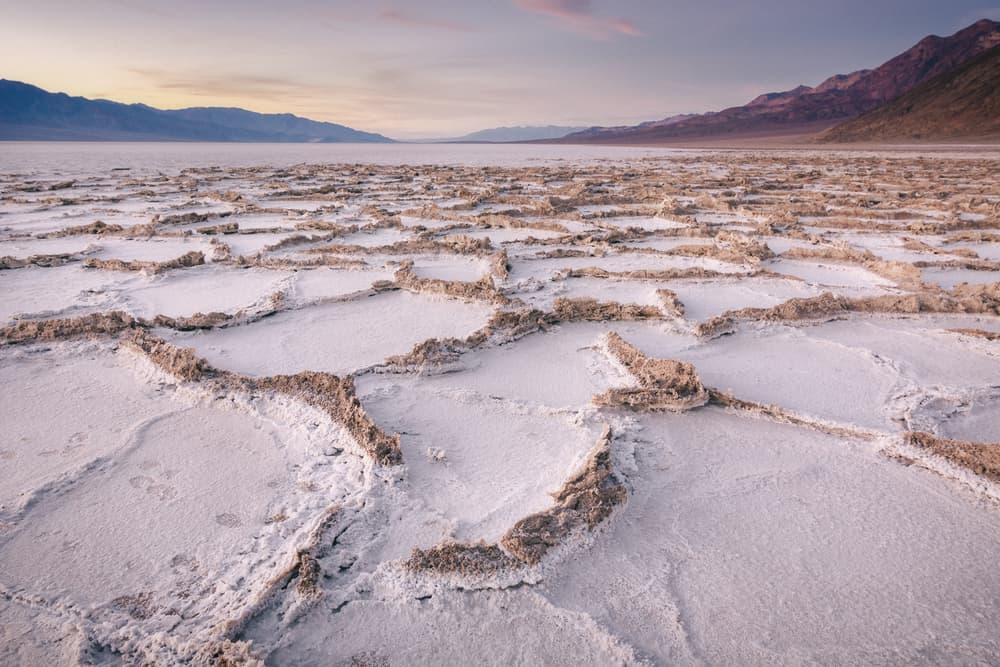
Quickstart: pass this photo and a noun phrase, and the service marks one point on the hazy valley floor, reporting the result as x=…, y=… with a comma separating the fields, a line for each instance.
x=498, y=405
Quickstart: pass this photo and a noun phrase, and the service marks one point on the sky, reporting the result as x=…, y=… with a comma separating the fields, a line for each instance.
x=447, y=67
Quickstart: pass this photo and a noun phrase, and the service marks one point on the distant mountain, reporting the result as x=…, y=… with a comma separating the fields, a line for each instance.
x=962, y=103
x=803, y=109
x=519, y=133
x=614, y=131
x=29, y=113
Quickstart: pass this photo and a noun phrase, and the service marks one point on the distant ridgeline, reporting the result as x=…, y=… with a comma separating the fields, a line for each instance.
x=28, y=113
x=967, y=94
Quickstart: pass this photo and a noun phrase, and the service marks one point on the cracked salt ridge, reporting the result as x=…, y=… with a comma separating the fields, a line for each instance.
x=448, y=267
x=523, y=267
x=946, y=376
x=150, y=250
x=666, y=244
x=743, y=524
x=704, y=299
x=181, y=205
x=526, y=425
x=429, y=223
x=203, y=289
x=874, y=370
x=338, y=338
x=642, y=222
x=920, y=347
x=892, y=248
x=324, y=283
x=248, y=245
x=572, y=226
x=160, y=498
x=719, y=218
x=822, y=272
x=485, y=471
x=163, y=547
x=129, y=207
x=45, y=292
x=375, y=238
x=52, y=219
x=451, y=628
x=790, y=367
x=779, y=244
x=304, y=205
x=988, y=251
x=502, y=235
x=643, y=293
x=949, y=277
x=22, y=248
x=260, y=221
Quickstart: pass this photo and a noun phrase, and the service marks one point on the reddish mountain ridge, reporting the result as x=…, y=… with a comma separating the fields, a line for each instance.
x=840, y=98
x=961, y=104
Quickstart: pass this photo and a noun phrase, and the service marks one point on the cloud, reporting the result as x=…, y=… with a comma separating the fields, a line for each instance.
x=577, y=16
x=141, y=8
x=229, y=85
x=389, y=95
x=411, y=21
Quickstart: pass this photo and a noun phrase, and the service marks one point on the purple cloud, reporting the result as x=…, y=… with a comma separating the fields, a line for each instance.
x=577, y=16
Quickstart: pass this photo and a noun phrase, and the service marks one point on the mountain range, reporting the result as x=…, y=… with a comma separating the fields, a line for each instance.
x=512, y=134
x=28, y=113
x=806, y=110
x=961, y=104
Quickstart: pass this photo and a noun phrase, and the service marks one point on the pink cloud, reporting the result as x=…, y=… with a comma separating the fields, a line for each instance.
x=411, y=21
x=577, y=16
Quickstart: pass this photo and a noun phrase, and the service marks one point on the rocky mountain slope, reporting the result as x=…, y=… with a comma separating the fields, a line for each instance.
x=803, y=109
x=963, y=103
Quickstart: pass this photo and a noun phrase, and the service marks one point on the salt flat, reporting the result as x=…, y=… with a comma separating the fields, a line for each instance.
x=380, y=405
